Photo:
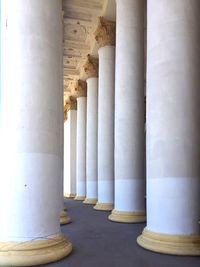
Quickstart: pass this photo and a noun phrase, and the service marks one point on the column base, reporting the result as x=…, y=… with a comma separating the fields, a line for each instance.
x=34, y=252
x=69, y=195
x=91, y=201
x=80, y=198
x=104, y=206
x=64, y=218
x=127, y=217
x=170, y=244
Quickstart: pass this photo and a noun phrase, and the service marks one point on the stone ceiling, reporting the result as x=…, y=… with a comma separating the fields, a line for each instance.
x=80, y=21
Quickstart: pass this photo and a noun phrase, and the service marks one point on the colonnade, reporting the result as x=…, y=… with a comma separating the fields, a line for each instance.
x=110, y=150
x=166, y=174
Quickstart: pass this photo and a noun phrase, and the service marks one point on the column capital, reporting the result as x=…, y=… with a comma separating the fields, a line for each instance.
x=91, y=67
x=66, y=108
x=80, y=88
x=105, y=32
x=73, y=106
x=73, y=103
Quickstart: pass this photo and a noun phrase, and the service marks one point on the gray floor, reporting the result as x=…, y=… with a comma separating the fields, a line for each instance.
x=98, y=242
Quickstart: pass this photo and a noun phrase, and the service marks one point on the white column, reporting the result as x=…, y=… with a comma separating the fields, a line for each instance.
x=129, y=206
x=70, y=154
x=81, y=148
x=30, y=200
x=106, y=125
x=91, y=152
x=64, y=217
x=91, y=71
x=173, y=128
x=67, y=158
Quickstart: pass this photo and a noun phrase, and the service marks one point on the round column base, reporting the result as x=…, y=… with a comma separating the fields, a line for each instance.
x=127, y=217
x=104, y=206
x=91, y=201
x=69, y=195
x=170, y=244
x=80, y=198
x=64, y=218
x=34, y=252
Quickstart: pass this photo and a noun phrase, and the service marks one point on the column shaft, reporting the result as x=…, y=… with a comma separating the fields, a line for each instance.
x=106, y=128
x=70, y=154
x=81, y=148
x=92, y=124
x=64, y=218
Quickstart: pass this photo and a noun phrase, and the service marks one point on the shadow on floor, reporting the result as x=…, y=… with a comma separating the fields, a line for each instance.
x=97, y=242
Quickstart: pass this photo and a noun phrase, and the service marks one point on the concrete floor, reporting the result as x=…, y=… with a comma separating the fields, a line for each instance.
x=98, y=242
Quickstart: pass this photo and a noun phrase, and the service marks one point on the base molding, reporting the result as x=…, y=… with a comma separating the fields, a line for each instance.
x=104, y=206
x=91, y=201
x=69, y=195
x=34, y=252
x=64, y=218
x=80, y=198
x=127, y=217
x=187, y=245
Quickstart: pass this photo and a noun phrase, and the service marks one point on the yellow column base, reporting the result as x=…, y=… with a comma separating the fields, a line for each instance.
x=104, y=206
x=92, y=201
x=69, y=195
x=81, y=198
x=64, y=218
x=34, y=252
x=170, y=244
x=127, y=217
